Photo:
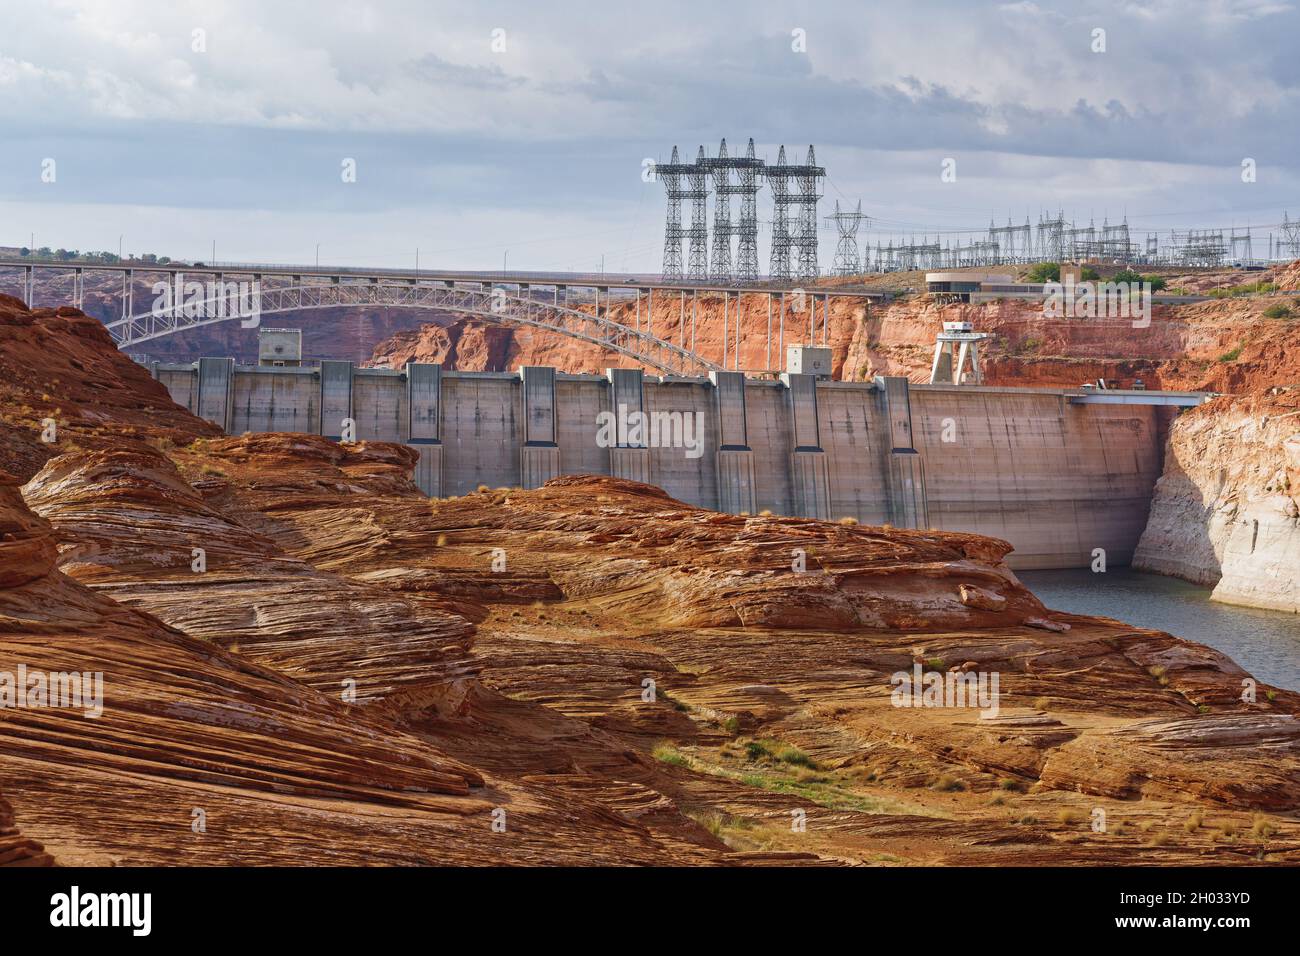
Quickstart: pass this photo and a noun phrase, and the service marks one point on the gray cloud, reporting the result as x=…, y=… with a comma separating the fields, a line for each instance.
x=546, y=139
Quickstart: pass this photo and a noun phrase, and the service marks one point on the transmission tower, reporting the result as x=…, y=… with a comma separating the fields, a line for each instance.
x=1241, y=246
x=1290, y=236
x=846, y=250
x=1199, y=247
x=782, y=200
x=1082, y=241
x=697, y=264
x=1051, y=237
x=1116, y=244
x=808, y=178
x=672, y=175
x=750, y=176
x=1013, y=242
x=720, y=263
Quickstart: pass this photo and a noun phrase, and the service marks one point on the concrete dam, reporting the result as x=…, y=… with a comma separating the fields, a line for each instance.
x=1055, y=472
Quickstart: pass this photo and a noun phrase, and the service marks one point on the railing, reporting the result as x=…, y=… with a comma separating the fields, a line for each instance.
x=494, y=304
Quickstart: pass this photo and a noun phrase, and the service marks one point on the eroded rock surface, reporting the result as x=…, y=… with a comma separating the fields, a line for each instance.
x=590, y=672
x=1226, y=511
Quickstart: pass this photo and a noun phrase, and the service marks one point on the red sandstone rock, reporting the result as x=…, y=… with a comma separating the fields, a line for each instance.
x=15, y=849
x=981, y=598
x=526, y=689
x=1043, y=623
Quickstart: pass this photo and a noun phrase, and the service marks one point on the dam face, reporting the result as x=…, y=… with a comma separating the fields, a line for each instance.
x=1055, y=479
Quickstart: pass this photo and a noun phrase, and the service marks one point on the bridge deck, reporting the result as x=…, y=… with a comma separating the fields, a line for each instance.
x=545, y=279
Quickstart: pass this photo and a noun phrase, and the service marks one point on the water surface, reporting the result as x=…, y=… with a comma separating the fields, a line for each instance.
x=1266, y=643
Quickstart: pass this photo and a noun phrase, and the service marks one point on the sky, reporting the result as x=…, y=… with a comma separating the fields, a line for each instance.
x=516, y=133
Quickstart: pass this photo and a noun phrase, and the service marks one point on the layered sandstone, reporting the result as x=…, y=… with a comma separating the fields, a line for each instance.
x=15, y=849
x=1227, y=345
x=610, y=675
x=132, y=527
x=1226, y=511
x=66, y=387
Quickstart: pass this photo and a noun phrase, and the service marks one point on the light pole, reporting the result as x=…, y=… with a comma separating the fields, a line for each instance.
x=318, y=255
x=504, y=256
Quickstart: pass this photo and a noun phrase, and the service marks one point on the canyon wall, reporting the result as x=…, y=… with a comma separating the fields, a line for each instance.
x=1226, y=511
x=349, y=677
x=1224, y=345
x=1227, y=345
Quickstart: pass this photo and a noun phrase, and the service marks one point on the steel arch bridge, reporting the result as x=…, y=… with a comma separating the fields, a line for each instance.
x=493, y=304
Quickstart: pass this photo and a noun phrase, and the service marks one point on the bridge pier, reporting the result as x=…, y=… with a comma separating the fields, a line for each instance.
x=735, y=459
x=681, y=321
x=736, y=362
x=539, y=458
x=695, y=304
x=780, y=330
x=723, y=363
x=768, y=360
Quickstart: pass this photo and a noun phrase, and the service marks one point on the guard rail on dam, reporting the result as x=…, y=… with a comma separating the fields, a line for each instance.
x=1054, y=476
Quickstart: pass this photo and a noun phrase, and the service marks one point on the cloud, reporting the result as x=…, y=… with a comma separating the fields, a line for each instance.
x=557, y=122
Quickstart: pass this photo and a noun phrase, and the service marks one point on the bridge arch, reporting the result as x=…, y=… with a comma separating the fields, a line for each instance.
x=492, y=304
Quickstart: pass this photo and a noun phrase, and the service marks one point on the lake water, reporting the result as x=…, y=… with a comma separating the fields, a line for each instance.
x=1266, y=643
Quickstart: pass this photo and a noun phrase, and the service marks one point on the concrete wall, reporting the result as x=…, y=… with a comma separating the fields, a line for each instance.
x=1055, y=479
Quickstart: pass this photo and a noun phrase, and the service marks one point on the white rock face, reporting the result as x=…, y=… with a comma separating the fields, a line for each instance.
x=1226, y=511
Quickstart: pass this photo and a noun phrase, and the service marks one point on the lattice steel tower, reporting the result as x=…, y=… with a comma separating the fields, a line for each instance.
x=1051, y=237
x=782, y=241
x=749, y=176
x=672, y=175
x=847, y=262
x=720, y=261
x=1291, y=235
x=697, y=261
x=809, y=179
